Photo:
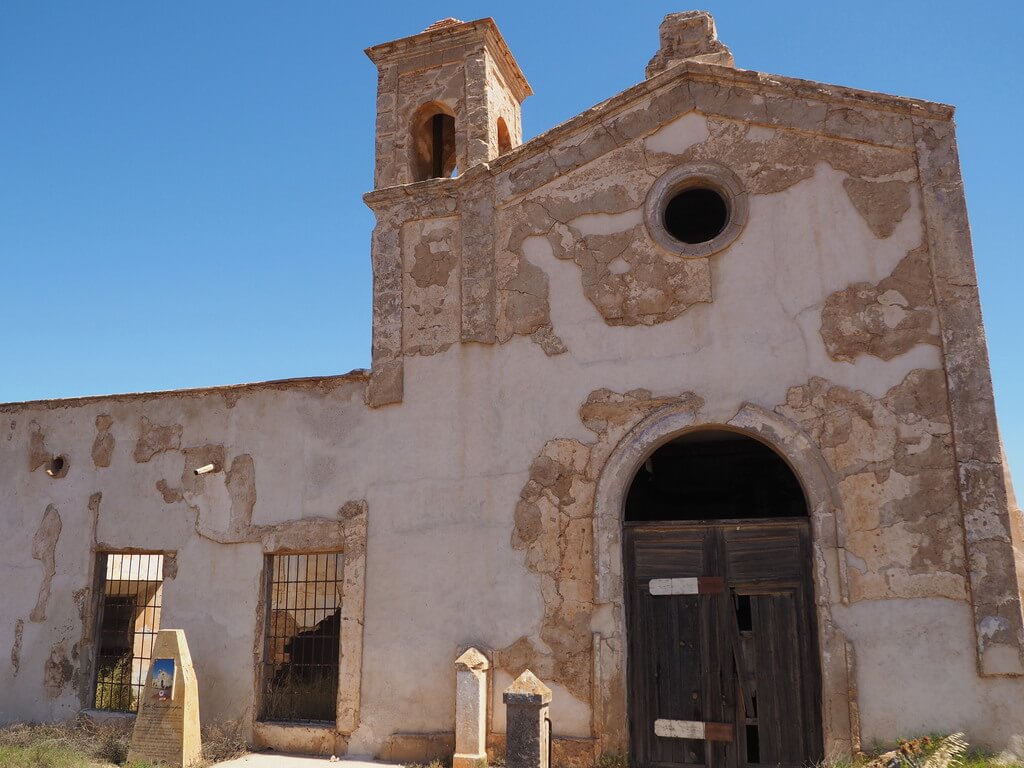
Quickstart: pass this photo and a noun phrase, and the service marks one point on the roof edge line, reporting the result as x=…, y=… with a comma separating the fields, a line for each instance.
x=694, y=71
x=300, y=382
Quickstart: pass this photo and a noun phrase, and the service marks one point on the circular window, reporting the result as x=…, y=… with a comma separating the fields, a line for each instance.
x=696, y=210
x=696, y=215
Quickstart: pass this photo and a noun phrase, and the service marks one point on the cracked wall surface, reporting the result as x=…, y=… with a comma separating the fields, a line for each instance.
x=886, y=319
x=512, y=306
x=132, y=488
x=431, y=309
x=103, y=446
x=554, y=528
x=585, y=205
x=44, y=549
x=892, y=457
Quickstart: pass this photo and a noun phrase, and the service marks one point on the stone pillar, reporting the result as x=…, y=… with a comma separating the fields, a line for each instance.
x=526, y=727
x=470, y=709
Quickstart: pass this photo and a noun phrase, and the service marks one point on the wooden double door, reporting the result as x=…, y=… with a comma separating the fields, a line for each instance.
x=723, y=657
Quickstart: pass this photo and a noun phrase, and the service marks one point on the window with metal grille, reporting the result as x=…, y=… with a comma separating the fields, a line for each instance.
x=303, y=637
x=128, y=620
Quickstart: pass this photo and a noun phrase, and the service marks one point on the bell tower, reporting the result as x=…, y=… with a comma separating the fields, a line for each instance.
x=448, y=98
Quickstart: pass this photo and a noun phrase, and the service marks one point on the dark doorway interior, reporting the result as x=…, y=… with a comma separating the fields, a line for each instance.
x=714, y=475
x=723, y=658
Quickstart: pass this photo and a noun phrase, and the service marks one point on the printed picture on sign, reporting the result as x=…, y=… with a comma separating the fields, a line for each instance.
x=162, y=679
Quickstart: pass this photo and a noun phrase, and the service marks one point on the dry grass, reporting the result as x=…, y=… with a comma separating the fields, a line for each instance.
x=84, y=743
x=79, y=742
x=223, y=741
x=941, y=751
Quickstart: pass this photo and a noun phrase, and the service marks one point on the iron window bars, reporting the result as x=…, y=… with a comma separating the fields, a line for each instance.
x=128, y=621
x=302, y=639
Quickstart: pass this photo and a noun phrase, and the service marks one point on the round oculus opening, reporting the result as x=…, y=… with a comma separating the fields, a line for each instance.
x=696, y=215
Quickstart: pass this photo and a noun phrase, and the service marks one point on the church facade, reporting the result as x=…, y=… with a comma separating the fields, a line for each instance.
x=683, y=405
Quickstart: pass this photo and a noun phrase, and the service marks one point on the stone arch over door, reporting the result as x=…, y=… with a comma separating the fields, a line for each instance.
x=839, y=701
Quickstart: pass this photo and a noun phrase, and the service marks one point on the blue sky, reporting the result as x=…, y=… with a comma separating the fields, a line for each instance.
x=180, y=182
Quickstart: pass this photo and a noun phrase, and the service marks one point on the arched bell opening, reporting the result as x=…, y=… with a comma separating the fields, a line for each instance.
x=504, y=138
x=433, y=142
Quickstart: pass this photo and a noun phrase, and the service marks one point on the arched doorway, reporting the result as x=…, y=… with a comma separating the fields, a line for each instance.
x=723, y=662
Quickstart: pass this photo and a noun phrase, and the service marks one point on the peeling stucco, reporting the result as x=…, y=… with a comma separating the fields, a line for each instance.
x=502, y=297
x=773, y=160
x=241, y=484
x=893, y=460
x=38, y=456
x=44, y=549
x=103, y=445
x=154, y=439
x=431, y=253
x=19, y=631
x=885, y=319
x=883, y=204
x=554, y=527
x=58, y=672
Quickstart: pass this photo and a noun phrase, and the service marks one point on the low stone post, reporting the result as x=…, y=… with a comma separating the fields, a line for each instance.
x=470, y=709
x=526, y=726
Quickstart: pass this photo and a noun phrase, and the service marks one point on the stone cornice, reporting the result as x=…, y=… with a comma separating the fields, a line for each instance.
x=746, y=99
x=433, y=40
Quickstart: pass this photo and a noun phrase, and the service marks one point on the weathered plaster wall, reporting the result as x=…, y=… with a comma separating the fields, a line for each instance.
x=823, y=308
x=139, y=493
x=465, y=68
x=474, y=488
x=501, y=103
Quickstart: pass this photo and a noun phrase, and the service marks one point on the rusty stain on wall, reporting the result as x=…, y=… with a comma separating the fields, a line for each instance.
x=58, y=671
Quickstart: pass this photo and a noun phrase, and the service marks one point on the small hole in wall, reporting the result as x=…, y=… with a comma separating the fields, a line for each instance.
x=696, y=215
x=58, y=467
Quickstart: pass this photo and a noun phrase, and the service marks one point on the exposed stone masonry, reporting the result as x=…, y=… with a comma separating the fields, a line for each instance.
x=893, y=460
x=884, y=320
x=554, y=526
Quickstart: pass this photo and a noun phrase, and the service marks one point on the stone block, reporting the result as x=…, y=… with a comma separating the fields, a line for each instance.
x=470, y=709
x=167, y=725
x=526, y=722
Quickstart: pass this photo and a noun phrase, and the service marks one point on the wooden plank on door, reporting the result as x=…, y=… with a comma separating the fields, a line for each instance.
x=780, y=714
x=664, y=650
x=693, y=729
x=688, y=585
